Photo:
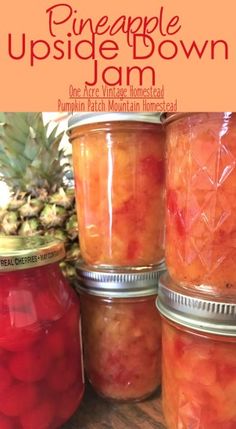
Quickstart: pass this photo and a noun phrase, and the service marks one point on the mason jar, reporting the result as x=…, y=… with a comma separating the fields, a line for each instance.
x=121, y=332
x=201, y=203
x=41, y=375
x=199, y=359
x=119, y=171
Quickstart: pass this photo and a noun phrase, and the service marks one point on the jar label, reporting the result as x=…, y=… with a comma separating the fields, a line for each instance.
x=13, y=263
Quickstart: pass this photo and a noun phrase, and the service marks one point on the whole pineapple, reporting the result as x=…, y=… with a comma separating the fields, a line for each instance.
x=34, y=168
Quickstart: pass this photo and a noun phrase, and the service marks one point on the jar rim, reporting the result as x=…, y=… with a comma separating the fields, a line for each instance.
x=86, y=118
x=167, y=118
x=18, y=252
x=133, y=282
x=197, y=312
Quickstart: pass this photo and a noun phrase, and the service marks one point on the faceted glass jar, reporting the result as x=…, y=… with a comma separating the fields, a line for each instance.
x=122, y=346
x=41, y=377
x=199, y=379
x=201, y=203
x=119, y=176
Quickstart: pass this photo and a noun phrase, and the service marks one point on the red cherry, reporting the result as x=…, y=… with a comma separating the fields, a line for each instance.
x=6, y=423
x=72, y=316
x=5, y=379
x=68, y=402
x=15, y=333
x=18, y=399
x=55, y=343
x=63, y=374
x=69, y=323
x=48, y=306
x=39, y=417
x=4, y=356
x=30, y=365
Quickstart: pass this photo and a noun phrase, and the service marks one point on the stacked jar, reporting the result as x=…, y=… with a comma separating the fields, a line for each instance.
x=119, y=166
x=198, y=300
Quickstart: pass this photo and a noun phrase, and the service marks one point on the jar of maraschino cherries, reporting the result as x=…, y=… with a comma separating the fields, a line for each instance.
x=121, y=331
x=201, y=203
x=199, y=359
x=119, y=176
x=41, y=376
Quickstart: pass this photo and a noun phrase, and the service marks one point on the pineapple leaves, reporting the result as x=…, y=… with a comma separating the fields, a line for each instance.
x=29, y=155
x=11, y=140
x=32, y=148
x=52, y=136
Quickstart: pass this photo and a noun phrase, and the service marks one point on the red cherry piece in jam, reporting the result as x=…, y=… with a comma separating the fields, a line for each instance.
x=68, y=402
x=18, y=399
x=30, y=365
x=48, y=306
x=39, y=417
x=172, y=201
x=6, y=422
x=5, y=379
x=177, y=214
x=133, y=250
x=180, y=224
x=227, y=373
x=152, y=168
x=63, y=374
x=178, y=348
x=127, y=208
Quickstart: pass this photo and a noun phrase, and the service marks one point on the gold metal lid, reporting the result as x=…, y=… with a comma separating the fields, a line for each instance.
x=18, y=253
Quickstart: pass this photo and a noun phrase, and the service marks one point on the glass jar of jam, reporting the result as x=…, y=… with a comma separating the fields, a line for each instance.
x=201, y=203
x=121, y=332
x=199, y=360
x=119, y=175
x=41, y=376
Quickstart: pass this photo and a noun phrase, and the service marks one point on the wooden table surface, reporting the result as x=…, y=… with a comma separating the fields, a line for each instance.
x=96, y=413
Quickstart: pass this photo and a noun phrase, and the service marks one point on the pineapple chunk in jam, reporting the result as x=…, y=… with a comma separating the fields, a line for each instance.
x=199, y=390
x=201, y=204
x=119, y=174
x=122, y=344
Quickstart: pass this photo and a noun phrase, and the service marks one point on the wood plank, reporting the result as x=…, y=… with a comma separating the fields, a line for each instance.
x=97, y=413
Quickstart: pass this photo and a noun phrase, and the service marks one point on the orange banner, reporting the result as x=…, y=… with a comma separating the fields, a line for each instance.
x=82, y=55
